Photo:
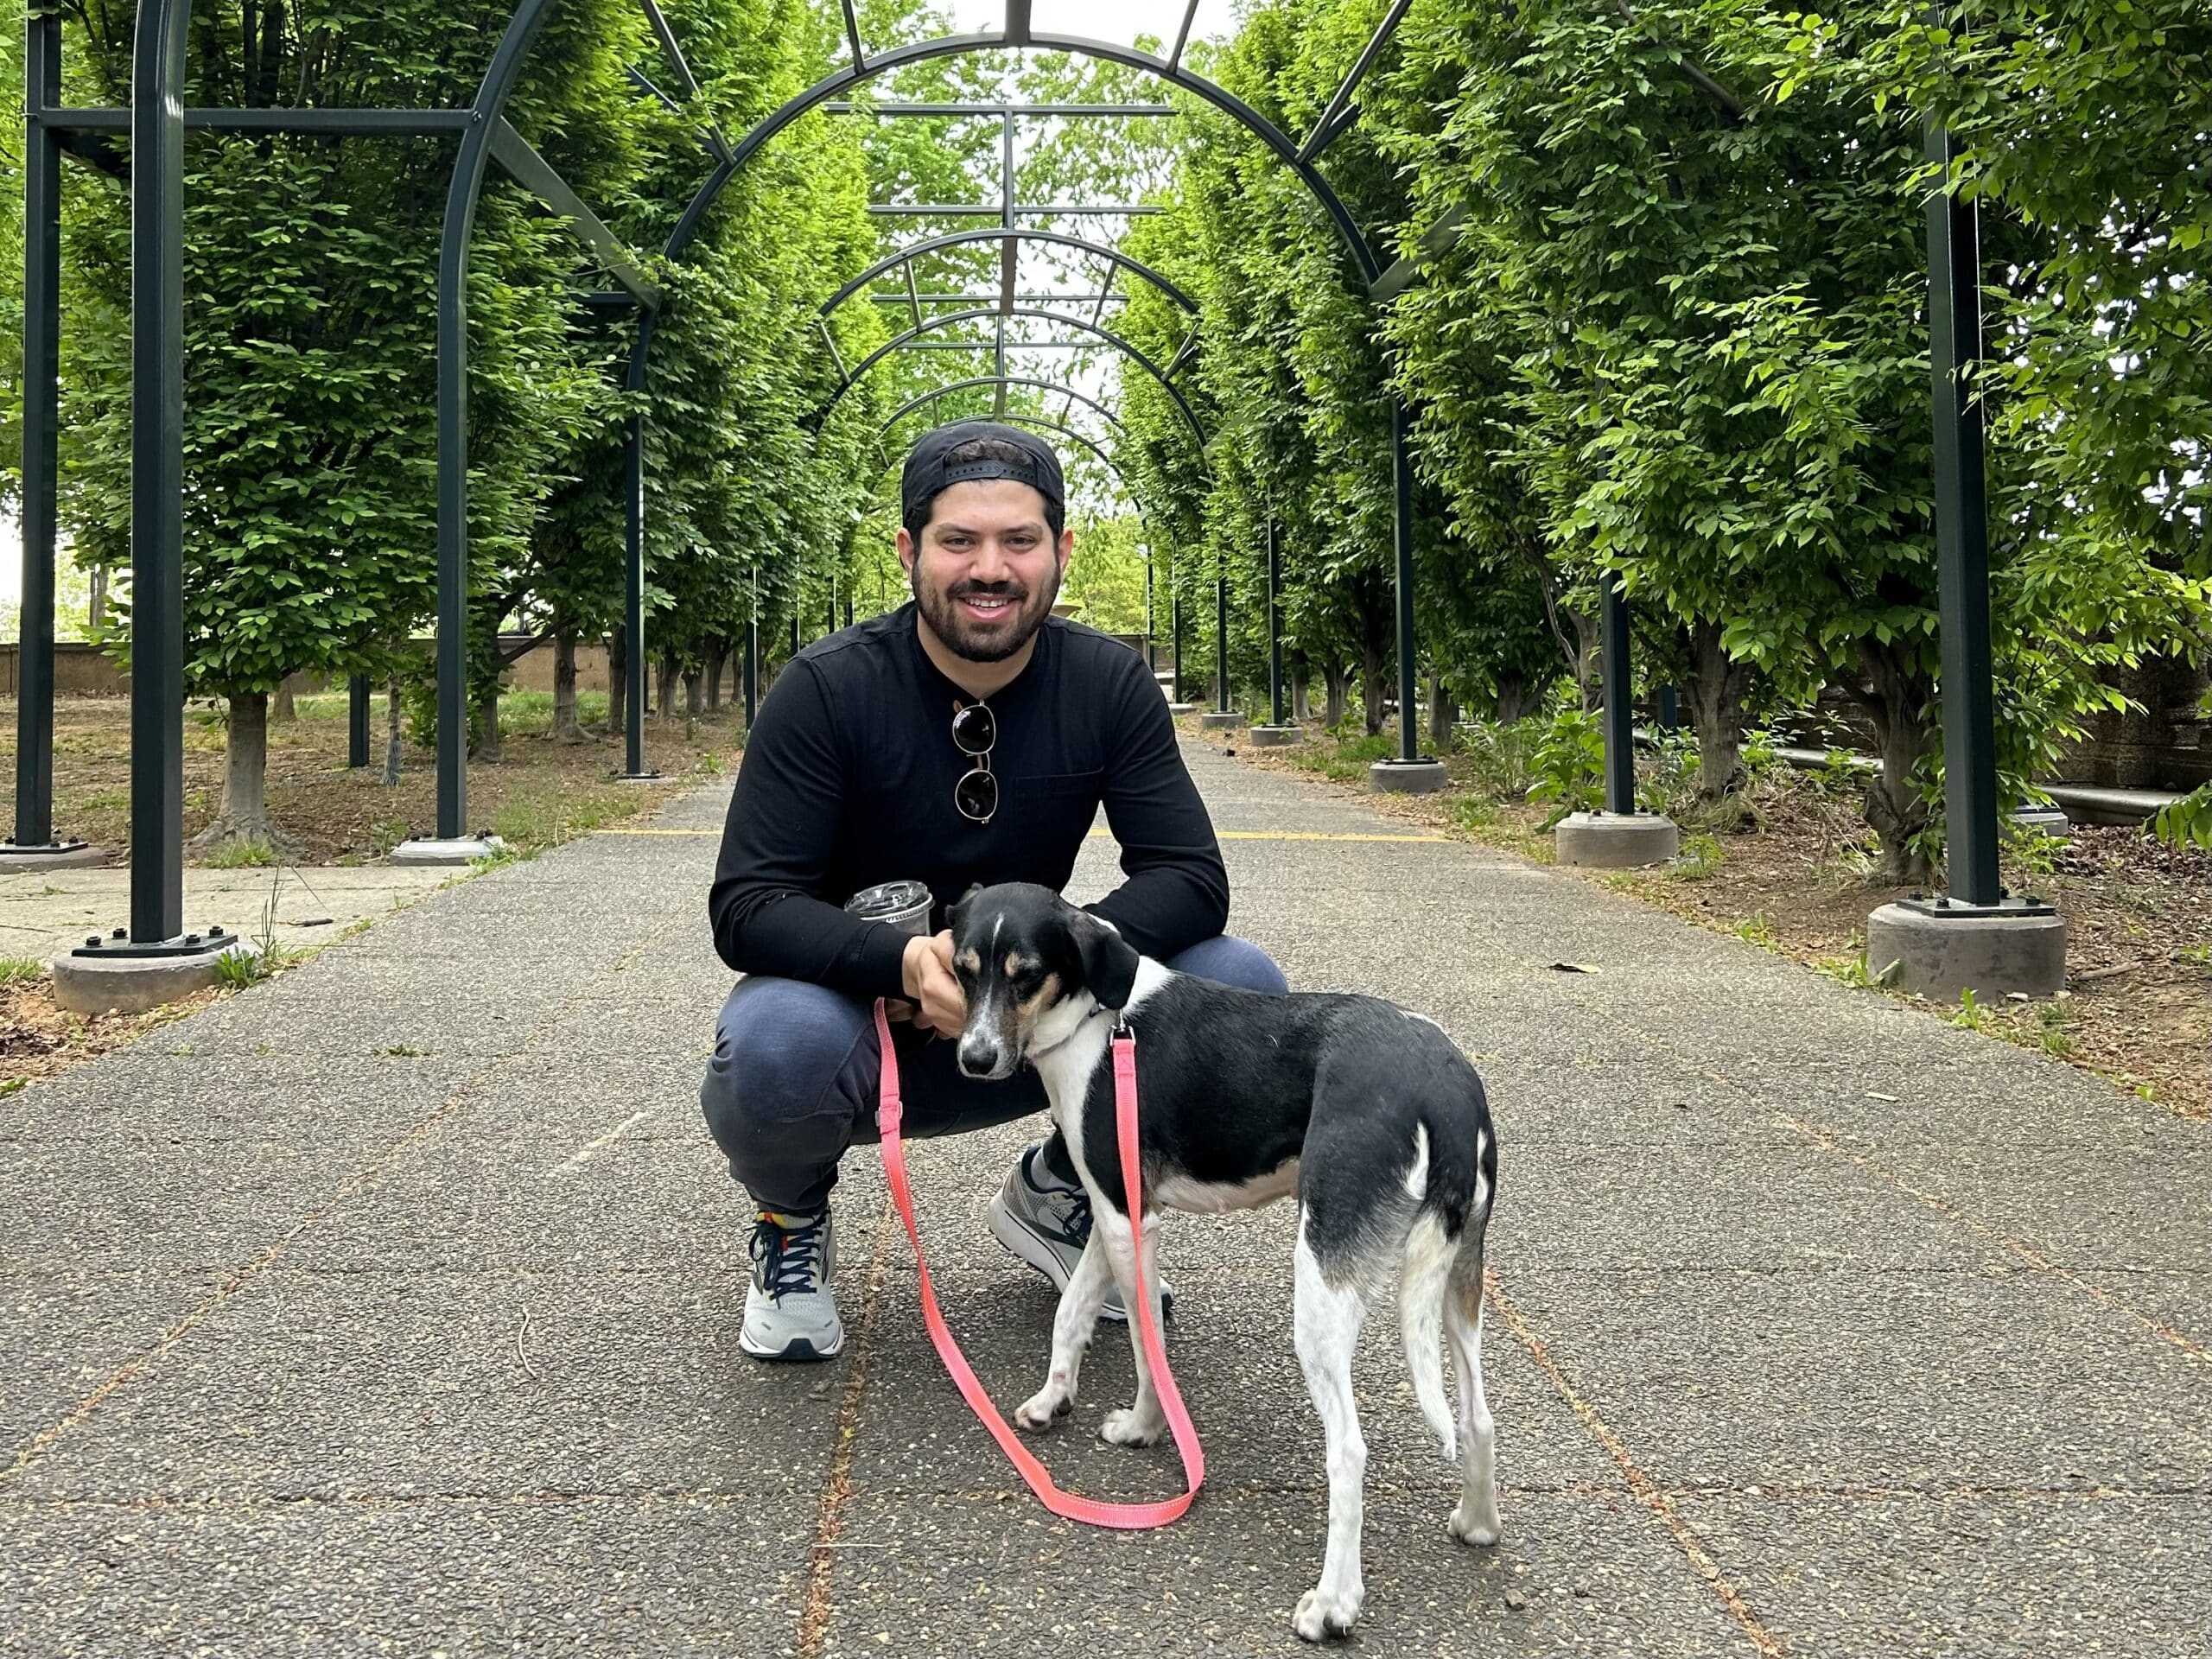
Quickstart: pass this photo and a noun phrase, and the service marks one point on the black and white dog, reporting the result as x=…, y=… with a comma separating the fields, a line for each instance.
x=1367, y=1112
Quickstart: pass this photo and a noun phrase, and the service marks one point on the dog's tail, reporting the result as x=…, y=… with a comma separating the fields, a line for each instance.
x=1432, y=1246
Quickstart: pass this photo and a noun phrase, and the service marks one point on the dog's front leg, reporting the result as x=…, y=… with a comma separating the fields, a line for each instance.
x=1071, y=1331
x=1142, y=1422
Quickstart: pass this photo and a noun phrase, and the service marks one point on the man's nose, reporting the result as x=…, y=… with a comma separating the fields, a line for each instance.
x=989, y=563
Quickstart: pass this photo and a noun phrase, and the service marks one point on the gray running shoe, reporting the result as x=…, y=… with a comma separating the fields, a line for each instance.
x=789, y=1312
x=1047, y=1225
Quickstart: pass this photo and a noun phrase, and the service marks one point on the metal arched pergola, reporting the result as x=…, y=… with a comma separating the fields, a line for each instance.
x=155, y=122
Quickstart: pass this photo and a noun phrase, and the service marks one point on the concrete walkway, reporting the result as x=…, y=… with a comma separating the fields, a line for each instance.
x=392, y=1308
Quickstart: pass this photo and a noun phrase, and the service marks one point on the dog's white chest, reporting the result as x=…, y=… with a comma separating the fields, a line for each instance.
x=1174, y=1192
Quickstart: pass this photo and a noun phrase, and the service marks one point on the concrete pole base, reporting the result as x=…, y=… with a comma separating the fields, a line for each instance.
x=1616, y=841
x=50, y=855
x=429, y=850
x=1408, y=777
x=639, y=778
x=104, y=979
x=1178, y=710
x=1224, y=720
x=1941, y=949
x=1272, y=737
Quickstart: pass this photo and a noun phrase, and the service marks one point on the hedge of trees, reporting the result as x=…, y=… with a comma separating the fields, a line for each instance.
x=1680, y=339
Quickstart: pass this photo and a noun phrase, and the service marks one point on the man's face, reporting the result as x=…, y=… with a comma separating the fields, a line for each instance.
x=986, y=571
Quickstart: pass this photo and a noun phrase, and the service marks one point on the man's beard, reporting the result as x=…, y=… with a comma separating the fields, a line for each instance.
x=940, y=607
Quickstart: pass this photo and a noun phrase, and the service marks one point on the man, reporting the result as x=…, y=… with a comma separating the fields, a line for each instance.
x=968, y=737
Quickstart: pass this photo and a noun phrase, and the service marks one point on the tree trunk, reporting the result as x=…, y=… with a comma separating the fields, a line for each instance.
x=1333, y=680
x=96, y=606
x=1589, y=661
x=245, y=816
x=1300, y=709
x=718, y=664
x=391, y=730
x=695, y=701
x=1716, y=687
x=1895, y=698
x=488, y=726
x=565, y=730
x=1371, y=686
x=618, y=683
x=283, y=710
x=664, y=688
x=1442, y=710
x=1514, y=702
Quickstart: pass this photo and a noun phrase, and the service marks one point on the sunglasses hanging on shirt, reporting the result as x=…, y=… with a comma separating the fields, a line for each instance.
x=975, y=732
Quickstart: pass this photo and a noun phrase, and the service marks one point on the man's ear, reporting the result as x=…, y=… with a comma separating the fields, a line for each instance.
x=906, y=545
x=1109, y=962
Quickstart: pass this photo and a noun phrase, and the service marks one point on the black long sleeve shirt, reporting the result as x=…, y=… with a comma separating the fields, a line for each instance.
x=848, y=781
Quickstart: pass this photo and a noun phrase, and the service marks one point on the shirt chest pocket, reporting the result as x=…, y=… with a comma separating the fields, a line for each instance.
x=1058, y=808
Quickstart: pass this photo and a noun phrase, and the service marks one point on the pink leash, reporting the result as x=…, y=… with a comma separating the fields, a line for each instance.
x=1070, y=1505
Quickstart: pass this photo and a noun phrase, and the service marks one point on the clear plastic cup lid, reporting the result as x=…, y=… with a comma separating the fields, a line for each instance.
x=890, y=898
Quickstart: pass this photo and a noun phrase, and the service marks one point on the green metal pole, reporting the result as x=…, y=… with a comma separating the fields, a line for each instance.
x=42, y=399
x=157, y=471
x=1619, y=718
x=357, y=721
x=1961, y=534
x=1279, y=714
x=1221, y=636
x=1402, y=478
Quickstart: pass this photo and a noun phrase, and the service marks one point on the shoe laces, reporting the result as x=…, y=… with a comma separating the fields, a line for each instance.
x=1074, y=1206
x=788, y=1259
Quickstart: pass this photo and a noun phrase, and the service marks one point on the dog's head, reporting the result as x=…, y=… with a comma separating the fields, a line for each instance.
x=1033, y=967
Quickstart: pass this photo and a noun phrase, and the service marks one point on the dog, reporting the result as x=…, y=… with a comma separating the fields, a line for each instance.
x=1367, y=1112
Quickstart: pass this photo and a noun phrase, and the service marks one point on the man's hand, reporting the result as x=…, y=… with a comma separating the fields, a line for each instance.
x=940, y=1004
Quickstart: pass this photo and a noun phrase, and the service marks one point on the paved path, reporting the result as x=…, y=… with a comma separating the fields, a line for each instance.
x=392, y=1308
x=46, y=913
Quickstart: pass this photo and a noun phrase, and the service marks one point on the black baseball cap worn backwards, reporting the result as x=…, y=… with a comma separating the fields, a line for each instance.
x=928, y=473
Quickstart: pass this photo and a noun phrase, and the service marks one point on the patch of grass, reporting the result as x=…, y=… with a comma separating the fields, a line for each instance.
x=1472, y=812
x=1972, y=1015
x=1857, y=971
x=241, y=855
x=1345, y=760
x=2051, y=1020
x=2197, y=956
x=1700, y=858
x=404, y=1052
x=1759, y=929
x=21, y=970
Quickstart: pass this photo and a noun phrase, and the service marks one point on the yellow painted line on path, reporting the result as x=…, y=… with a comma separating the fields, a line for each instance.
x=1107, y=835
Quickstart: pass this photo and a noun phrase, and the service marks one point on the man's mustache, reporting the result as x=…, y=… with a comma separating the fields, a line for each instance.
x=981, y=590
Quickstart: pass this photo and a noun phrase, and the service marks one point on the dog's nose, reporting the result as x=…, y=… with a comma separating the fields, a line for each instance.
x=979, y=1057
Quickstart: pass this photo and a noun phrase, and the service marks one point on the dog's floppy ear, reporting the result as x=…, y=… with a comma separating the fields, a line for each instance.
x=952, y=911
x=1109, y=962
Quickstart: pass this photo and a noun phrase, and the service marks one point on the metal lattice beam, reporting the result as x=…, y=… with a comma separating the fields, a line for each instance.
x=907, y=257
x=536, y=175
x=1331, y=122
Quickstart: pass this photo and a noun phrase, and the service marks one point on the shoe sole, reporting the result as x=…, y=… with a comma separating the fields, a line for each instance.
x=1033, y=1248
x=798, y=1350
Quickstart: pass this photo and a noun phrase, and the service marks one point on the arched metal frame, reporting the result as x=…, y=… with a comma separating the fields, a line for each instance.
x=891, y=262
x=156, y=120
x=932, y=324
x=1052, y=386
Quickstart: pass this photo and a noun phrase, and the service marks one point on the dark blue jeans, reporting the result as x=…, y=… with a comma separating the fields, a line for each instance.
x=793, y=1080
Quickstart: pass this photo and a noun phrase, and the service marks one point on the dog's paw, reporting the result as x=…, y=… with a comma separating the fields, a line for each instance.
x=1320, y=1615
x=1480, y=1530
x=1127, y=1428
x=1042, y=1410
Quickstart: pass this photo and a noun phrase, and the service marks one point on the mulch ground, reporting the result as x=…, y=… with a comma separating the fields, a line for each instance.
x=1796, y=878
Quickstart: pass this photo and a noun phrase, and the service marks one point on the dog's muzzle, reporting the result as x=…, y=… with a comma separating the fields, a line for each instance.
x=983, y=1058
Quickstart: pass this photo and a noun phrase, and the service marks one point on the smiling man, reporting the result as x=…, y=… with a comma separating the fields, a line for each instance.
x=970, y=736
